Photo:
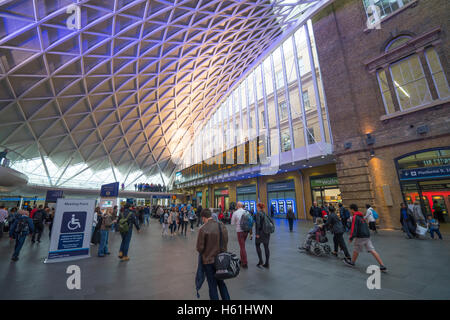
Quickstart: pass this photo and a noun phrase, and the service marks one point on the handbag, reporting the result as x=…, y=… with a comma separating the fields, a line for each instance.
x=225, y=263
x=421, y=230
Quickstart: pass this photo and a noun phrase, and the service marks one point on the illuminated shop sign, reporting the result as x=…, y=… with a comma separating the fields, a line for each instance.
x=324, y=181
x=249, y=153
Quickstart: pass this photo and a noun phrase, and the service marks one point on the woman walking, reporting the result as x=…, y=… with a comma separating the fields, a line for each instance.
x=172, y=222
x=407, y=220
x=261, y=236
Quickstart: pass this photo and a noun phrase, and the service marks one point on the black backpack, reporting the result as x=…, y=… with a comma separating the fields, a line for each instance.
x=362, y=227
x=22, y=228
x=38, y=217
x=225, y=263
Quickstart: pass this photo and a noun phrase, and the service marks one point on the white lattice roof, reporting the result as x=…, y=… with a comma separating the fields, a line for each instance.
x=125, y=92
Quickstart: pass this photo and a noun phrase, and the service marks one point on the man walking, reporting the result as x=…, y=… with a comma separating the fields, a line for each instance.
x=344, y=215
x=335, y=225
x=290, y=216
x=20, y=229
x=3, y=216
x=208, y=245
x=39, y=218
x=127, y=219
x=315, y=212
x=241, y=234
x=361, y=234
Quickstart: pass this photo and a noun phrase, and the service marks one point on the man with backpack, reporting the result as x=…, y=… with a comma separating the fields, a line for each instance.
x=335, y=225
x=371, y=217
x=19, y=230
x=39, y=218
x=244, y=225
x=208, y=246
x=361, y=234
x=127, y=219
x=344, y=214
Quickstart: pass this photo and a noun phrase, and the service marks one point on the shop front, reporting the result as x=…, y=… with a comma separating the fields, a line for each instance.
x=247, y=195
x=197, y=199
x=221, y=199
x=325, y=189
x=281, y=197
x=425, y=178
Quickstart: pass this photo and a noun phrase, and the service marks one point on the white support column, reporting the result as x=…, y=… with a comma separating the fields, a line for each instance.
x=300, y=92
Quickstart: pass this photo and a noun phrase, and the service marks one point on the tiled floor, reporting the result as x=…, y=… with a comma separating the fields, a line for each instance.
x=164, y=268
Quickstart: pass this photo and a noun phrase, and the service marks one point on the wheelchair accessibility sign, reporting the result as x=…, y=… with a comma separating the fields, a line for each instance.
x=72, y=228
x=73, y=222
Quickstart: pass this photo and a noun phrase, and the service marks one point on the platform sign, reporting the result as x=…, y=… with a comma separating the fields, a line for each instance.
x=53, y=195
x=110, y=190
x=71, y=232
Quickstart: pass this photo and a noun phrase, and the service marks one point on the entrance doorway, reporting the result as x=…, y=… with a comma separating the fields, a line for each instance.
x=221, y=199
x=425, y=177
x=325, y=189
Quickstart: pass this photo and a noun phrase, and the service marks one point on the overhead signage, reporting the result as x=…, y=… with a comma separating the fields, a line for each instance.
x=110, y=190
x=425, y=173
x=53, y=195
x=281, y=186
x=71, y=232
x=246, y=189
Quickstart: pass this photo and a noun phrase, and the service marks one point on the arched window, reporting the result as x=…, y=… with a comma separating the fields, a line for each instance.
x=397, y=42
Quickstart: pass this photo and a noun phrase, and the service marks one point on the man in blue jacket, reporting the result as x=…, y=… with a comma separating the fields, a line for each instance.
x=20, y=229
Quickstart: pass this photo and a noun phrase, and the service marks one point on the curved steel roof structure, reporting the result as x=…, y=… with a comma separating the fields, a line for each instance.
x=122, y=91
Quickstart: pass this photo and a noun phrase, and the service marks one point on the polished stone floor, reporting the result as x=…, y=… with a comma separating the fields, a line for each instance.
x=164, y=268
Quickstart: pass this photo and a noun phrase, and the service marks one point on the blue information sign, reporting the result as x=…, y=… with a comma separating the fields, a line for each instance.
x=110, y=190
x=53, y=195
x=425, y=173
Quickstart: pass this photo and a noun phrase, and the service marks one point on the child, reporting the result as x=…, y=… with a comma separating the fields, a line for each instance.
x=433, y=226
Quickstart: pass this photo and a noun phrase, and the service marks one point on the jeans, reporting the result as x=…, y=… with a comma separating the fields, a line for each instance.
x=432, y=231
x=213, y=283
x=266, y=251
x=192, y=224
x=291, y=224
x=103, y=247
x=147, y=219
x=38, y=229
x=407, y=228
x=173, y=227
x=242, y=236
x=183, y=226
x=20, y=240
x=126, y=239
x=338, y=240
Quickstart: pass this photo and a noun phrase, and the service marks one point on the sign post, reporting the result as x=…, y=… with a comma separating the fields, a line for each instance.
x=71, y=232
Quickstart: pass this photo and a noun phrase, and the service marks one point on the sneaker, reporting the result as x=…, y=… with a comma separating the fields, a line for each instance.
x=266, y=265
x=244, y=266
x=334, y=253
x=383, y=269
x=125, y=258
x=259, y=264
x=120, y=255
x=349, y=262
x=15, y=258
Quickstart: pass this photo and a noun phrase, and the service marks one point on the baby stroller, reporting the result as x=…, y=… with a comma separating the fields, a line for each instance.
x=316, y=242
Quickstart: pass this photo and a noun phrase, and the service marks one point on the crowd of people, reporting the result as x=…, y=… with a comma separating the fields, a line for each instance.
x=175, y=220
x=145, y=187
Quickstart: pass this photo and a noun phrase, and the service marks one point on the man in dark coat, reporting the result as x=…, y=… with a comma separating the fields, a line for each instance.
x=336, y=227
